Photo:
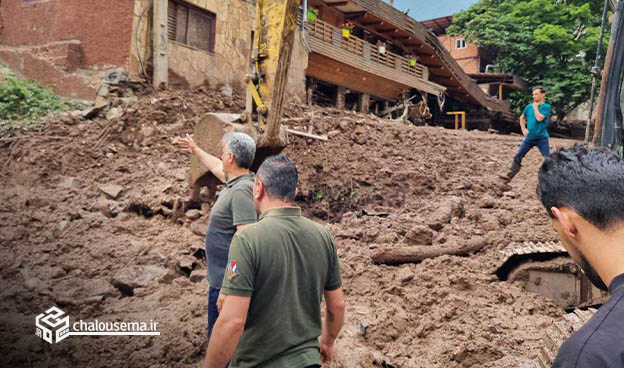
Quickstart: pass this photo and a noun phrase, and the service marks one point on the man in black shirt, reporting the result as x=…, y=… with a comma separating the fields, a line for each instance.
x=582, y=190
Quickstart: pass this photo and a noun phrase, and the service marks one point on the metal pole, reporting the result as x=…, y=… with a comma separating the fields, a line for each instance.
x=595, y=71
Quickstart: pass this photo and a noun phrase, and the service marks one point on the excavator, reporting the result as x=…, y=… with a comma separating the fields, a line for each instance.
x=276, y=24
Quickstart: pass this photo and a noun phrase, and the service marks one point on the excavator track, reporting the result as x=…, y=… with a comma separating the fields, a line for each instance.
x=546, y=268
x=559, y=332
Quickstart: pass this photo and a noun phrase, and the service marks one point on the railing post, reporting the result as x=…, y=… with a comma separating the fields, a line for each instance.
x=366, y=50
x=397, y=63
x=337, y=37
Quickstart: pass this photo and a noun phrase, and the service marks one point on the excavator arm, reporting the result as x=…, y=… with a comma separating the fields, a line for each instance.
x=608, y=131
x=276, y=24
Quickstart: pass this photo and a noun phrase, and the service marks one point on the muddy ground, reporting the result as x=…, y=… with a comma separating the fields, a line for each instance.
x=94, y=221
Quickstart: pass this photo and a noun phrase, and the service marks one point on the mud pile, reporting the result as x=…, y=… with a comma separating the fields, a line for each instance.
x=94, y=221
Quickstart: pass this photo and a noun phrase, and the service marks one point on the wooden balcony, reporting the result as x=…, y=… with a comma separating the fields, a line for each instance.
x=362, y=63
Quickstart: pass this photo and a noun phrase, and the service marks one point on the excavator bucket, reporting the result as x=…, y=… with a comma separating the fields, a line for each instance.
x=273, y=43
x=208, y=134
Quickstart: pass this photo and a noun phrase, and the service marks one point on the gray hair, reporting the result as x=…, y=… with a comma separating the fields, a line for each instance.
x=242, y=146
x=279, y=176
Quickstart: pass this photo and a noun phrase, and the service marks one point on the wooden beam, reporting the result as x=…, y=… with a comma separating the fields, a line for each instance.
x=386, y=30
x=376, y=23
x=355, y=15
x=338, y=3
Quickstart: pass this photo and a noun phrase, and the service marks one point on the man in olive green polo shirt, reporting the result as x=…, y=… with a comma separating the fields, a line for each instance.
x=233, y=210
x=278, y=271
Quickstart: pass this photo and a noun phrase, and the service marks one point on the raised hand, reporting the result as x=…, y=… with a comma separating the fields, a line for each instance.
x=187, y=144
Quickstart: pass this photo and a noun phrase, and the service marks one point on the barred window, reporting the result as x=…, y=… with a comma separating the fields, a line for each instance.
x=191, y=26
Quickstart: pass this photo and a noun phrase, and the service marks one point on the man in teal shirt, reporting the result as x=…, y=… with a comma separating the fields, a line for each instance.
x=534, y=124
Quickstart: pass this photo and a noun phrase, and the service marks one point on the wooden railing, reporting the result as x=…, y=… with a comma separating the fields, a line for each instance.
x=328, y=33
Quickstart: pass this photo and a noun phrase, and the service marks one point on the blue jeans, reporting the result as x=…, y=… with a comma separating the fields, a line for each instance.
x=542, y=144
x=213, y=312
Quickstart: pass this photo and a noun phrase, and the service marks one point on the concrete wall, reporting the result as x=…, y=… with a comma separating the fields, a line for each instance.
x=63, y=43
x=190, y=67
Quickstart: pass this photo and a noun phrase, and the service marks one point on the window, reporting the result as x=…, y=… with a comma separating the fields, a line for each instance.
x=191, y=26
x=460, y=43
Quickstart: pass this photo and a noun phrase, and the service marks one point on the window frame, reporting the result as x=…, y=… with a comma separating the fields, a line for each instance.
x=460, y=44
x=201, y=13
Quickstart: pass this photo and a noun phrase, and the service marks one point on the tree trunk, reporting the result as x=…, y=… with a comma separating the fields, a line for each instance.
x=396, y=256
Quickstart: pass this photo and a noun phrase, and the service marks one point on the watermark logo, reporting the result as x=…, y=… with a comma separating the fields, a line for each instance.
x=53, y=326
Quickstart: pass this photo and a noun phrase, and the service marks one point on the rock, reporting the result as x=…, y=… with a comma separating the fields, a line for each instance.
x=359, y=135
x=199, y=228
x=192, y=214
x=505, y=219
x=62, y=225
x=129, y=100
x=186, y=263
x=68, y=182
x=111, y=190
x=101, y=102
x=130, y=278
x=228, y=101
x=54, y=272
x=197, y=275
x=113, y=113
x=107, y=207
x=333, y=133
x=447, y=210
x=491, y=225
x=386, y=238
x=226, y=91
x=509, y=194
x=486, y=202
x=419, y=235
x=147, y=131
x=205, y=208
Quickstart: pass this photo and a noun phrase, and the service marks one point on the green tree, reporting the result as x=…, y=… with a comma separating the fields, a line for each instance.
x=540, y=41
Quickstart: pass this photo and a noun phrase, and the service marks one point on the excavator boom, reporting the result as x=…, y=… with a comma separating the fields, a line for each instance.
x=276, y=24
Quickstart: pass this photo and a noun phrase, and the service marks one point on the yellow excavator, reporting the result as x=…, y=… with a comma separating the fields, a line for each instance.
x=276, y=24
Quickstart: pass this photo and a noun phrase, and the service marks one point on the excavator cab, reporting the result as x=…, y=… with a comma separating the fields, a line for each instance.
x=276, y=24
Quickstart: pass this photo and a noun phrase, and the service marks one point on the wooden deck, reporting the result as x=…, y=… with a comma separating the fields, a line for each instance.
x=366, y=62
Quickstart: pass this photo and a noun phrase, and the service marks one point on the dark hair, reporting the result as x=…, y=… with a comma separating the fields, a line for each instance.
x=279, y=176
x=539, y=88
x=589, y=181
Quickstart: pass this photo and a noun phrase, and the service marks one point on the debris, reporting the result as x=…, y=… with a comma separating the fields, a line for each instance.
x=198, y=275
x=113, y=113
x=111, y=190
x=449, y=208
x=307, y=135
x=226, y=91
x=133, y=277
x=419, y=235
x=199, y=228
x=68, y=182
x=192, y=214
x=363, y=327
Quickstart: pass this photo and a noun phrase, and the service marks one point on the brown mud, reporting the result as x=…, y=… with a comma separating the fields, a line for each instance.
x=95, y=221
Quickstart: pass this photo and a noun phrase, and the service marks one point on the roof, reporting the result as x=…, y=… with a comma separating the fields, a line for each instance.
x=438, y=25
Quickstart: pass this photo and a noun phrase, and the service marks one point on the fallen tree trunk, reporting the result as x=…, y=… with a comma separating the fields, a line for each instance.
x=396, y=256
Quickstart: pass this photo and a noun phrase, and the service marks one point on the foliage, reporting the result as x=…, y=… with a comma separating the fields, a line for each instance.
x=539, y=40
x=24, y=102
